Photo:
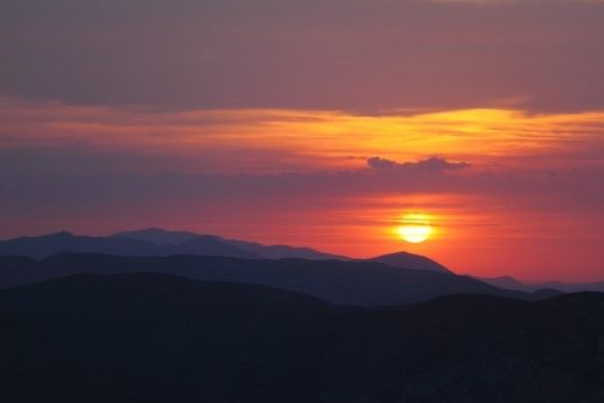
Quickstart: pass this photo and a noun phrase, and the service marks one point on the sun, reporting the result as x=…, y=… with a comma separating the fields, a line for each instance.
x=415, y=233
x=416, y=228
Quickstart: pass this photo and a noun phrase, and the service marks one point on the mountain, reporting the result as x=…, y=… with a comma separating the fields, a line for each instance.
x=208, y=245
x=49, y=245
x=335, y=281
x=410, y=261
x=156, y=338
x=283, y=251
x=571, y=287
x=159, y=242
x=162, y=237
x=157, y=236
x=507, y=282
x=511, y=283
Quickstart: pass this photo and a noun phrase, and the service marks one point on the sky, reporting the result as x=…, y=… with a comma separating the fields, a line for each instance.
x=313, y=122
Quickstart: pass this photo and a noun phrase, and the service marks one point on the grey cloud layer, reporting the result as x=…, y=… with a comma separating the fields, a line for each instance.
x=340, y=54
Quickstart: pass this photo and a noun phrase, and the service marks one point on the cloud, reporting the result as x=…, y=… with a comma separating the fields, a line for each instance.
x=59, y=194
x=97, y=139
x=353, y=55
x=432, y=164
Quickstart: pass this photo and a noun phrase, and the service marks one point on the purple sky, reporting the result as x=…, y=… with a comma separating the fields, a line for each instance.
x=312, y=122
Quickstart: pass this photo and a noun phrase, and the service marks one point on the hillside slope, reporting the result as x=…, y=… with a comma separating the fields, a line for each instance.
x=335, y=281
x=157, y=338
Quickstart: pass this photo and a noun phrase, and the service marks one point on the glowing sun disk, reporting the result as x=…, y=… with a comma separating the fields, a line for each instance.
x=415, y=233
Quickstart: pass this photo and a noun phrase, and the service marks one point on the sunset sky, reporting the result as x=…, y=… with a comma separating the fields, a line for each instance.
x=313, y=122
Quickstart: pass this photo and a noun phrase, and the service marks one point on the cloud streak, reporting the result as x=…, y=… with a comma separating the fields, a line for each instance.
x=432, y=164
x=293, y=140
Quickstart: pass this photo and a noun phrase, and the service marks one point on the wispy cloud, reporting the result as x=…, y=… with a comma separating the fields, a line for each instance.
x=278, y=140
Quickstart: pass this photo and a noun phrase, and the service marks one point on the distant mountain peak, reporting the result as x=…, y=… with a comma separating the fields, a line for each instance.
x=64, y=234
x=411, y=261
x=156, y=230
x=158, y=236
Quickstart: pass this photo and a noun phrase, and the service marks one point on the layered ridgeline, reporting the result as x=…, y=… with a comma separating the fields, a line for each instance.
x=394, y=279
x=157, y=338
x=336, y=281
x=511, y=283
x=163, y=237
x=410, y=261
x=159, y=242
x=153, y=242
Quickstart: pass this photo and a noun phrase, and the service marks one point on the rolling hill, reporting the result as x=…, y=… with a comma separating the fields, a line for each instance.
x=156, y=338
x=410, y=261
x=335, y=281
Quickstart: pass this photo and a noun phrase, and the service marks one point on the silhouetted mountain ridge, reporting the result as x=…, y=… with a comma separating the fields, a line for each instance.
x=335, y=281
x=157, y=236
x=511, y=283
x=49, y=245
x=159, y=242
x=164, y=237
x=410, y=261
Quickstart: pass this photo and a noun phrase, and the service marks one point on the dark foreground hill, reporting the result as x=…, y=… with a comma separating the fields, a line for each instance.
x=158, y=338
x=340, y=282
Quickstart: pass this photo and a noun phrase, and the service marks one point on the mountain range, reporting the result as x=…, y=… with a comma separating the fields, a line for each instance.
x=511, y=283
x=153, y=242
x=397, y=278
x=160, y=236
x=364, y=283
x=49, y=245
x=410, y=261
x=159, y=242
x=158, y=338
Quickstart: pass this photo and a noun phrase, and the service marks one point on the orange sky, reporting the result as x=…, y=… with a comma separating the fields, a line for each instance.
x=314, y=139
x=528, y=205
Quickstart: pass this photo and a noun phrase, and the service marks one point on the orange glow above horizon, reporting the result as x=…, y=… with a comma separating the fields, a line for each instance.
x=463, y=222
